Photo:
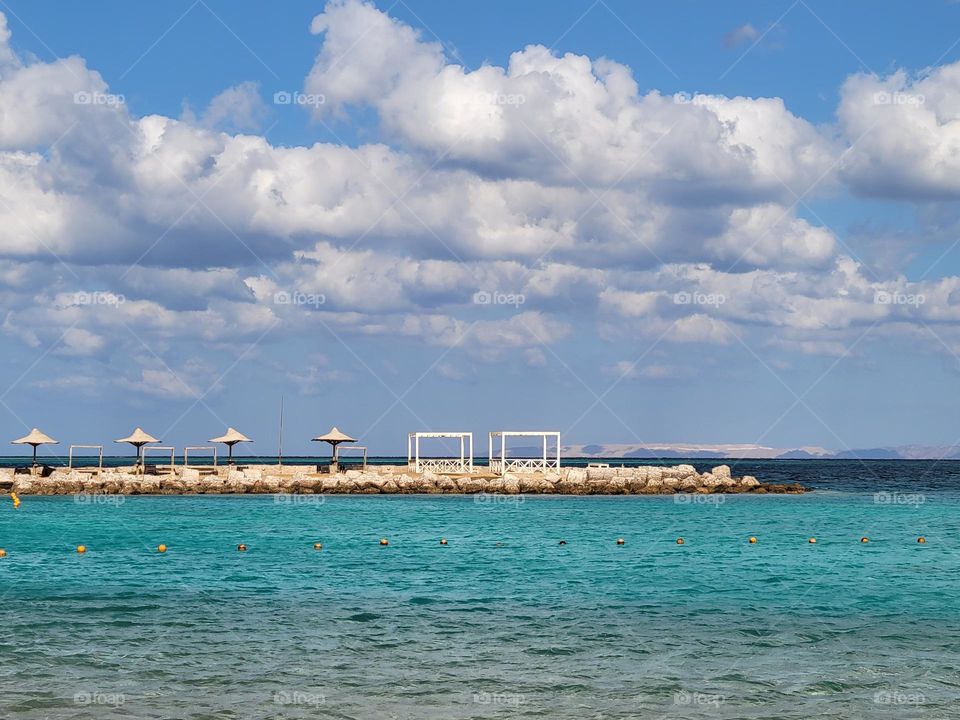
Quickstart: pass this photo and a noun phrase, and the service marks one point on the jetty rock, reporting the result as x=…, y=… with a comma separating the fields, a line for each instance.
x=388, y=480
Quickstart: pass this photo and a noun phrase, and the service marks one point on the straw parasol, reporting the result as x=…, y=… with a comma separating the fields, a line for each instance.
x=231, y=438
x=35, y=438
x=334, y=437
x=138, y=438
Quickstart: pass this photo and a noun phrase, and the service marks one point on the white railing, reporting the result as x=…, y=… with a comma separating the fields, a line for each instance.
x=442, y=465
x=501, y=466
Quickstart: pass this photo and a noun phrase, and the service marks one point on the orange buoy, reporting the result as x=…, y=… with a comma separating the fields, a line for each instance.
x=753, y=540
x=318, y=546
x=443, y=541
x=81, y=549
x=921, y=540
x=620, y=541
x=384, y=541
x=241, y=547
x=864, y=539
x=812, y=541
x=679, y=541
x=3, y=553
x=161, y=548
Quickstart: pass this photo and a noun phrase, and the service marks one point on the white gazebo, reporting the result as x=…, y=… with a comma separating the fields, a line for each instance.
x=503, y=464
x=441, y=464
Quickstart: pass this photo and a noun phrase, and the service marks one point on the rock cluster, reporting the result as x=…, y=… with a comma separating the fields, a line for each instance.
x=389, y=479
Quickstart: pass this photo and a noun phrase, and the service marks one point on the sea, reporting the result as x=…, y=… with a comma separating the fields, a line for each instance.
x=531, y=609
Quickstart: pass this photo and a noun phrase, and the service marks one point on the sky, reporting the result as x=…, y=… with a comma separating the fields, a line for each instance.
x=629, y=222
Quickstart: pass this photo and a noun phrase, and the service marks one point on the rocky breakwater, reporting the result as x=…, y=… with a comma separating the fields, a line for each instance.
x=390, y=479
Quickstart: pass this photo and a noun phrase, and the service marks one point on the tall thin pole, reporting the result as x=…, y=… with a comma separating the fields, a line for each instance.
x=280, y=443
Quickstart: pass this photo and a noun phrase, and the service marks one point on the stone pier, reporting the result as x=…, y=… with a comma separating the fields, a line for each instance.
x=387, y=479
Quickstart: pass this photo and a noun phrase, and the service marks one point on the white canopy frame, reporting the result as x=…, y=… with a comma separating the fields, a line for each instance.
x=504, y=464
x=441, y=465
x=165, y=448
x=186, y=455
x=98, y=448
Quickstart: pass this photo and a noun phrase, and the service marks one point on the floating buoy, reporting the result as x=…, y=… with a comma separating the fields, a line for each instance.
x=620, y=541
x=241, y=547
x=81, y=549
x=161, y=548
x=384, y=541
x=563, y=542
x=864, y=539
x=443, y=541
x=16, y=500
x=318, y=546
x=679, y=541
x=3, y=553
x=921, y=540
x=753, y=540
x=812, y=541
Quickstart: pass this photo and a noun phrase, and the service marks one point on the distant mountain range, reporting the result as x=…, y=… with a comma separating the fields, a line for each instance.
x=734, y=451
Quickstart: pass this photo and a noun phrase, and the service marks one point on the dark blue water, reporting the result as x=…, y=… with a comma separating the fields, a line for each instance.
x=502, y=622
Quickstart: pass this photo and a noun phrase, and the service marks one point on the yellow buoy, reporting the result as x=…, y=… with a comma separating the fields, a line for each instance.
x=921, y=540
x=753, y=540
x=241, y=547
x=679, y=541
x=620, y=541
x=161, y=548
x=812, y=541
x=318, y=546
x=443, y=541
x=16, y=500
x=384, y=541
x=864, y=539
x=3, y=553
x=81, y=549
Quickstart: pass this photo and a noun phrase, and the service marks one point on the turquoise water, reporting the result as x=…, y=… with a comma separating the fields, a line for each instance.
x=527, y=628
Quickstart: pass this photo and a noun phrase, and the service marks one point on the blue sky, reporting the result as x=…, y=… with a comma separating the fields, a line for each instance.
x=696, y=222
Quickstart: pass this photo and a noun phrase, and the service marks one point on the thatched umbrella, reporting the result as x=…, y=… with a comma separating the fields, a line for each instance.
x=231, y=438
x=35, y=438
x=334, y=437
x=138, y=438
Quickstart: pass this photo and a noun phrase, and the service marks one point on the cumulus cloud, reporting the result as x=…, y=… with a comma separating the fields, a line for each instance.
x=907, y=134
x=551, y=185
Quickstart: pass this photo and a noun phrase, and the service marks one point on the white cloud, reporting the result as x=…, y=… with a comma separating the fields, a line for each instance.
x=905, y=133
x=739, y=35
